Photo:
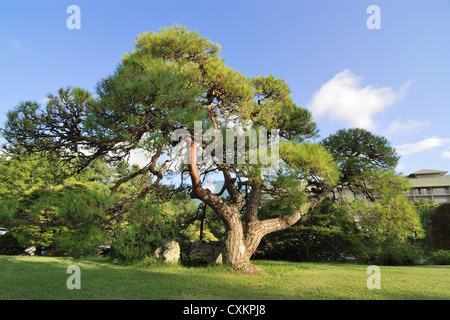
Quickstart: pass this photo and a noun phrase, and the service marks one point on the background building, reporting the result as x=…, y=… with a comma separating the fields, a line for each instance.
x=430, y=185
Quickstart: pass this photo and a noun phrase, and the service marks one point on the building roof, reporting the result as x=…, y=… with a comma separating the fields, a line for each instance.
x=428, y=172
x=430, y=182
x=428, y=178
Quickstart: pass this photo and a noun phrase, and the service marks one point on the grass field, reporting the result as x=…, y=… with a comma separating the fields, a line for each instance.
x=28, y=277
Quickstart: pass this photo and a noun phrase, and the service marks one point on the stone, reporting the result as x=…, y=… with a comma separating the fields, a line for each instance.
x=190, y=252
x=200, y=253
x=168, y=251
x=30, y=250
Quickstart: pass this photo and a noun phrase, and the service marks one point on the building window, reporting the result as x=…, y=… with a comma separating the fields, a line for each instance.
x=422, y=191
x=439, y=191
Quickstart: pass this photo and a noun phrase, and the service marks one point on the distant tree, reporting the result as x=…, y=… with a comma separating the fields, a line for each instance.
x=360, y=155
x=424, y=209
x=387, y=219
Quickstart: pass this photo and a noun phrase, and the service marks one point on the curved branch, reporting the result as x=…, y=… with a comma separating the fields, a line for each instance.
x=149, y=167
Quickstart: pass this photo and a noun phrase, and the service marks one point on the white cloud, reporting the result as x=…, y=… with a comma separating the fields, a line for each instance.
x=343, y=99
x=409, y=126
x=445, y=155
x=427, y=144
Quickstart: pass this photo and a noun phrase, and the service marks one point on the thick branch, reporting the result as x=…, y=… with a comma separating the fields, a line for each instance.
x=234, y=193
x=150, y=167
x=253, y=203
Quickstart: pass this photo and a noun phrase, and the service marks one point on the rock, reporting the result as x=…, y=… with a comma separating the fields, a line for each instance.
x=168, y=251
x=30, y=250
x=189, y=252
x=198, y=253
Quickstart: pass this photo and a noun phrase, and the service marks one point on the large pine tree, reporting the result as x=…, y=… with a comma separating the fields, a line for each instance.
x=174, y=80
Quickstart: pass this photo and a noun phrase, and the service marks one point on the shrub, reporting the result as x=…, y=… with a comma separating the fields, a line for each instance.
x=327, y=233
x=440, y=227
x=424, y=210
x=133, y=244
x=392, y=254
x=139, y=240
x=440, y=257
x=61, y=219
x=9, y=245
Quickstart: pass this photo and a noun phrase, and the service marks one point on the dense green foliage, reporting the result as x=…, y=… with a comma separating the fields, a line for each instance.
x=390, y=223
x=424, y=209
x=147, y=223
x=440, y=257
x=70, y=217
x=9, y=245
x=74, y=216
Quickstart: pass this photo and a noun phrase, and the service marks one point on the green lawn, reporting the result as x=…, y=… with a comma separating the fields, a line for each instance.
x=26, y=277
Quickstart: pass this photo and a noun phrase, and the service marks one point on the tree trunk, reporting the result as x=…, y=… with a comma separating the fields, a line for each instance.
x=235, y=250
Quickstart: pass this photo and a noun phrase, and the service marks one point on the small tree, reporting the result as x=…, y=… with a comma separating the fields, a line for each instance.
x=390, y=222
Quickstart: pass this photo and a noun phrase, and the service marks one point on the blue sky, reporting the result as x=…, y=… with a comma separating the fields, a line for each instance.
x=393, y=81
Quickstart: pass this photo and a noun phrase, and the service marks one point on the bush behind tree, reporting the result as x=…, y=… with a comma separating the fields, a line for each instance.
x=327, y=233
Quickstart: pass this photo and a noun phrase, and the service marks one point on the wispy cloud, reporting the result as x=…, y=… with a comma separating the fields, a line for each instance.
x=420, y=146
x=445, y=155
x=400, y=126
x=344, y=99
